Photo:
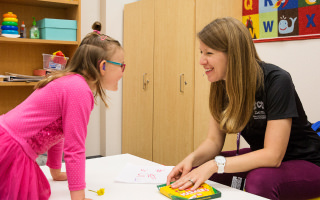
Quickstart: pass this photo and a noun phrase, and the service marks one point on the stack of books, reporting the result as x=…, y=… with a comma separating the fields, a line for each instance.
x=10, y=77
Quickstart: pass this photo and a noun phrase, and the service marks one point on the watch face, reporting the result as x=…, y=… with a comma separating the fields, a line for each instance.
x=220, y=159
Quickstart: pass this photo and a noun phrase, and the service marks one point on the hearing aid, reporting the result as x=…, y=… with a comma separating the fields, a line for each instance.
x=104, y=67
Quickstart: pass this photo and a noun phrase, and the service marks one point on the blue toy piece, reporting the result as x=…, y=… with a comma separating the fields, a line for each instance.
x=10, y=32
x=316, y=126
x=14, y=28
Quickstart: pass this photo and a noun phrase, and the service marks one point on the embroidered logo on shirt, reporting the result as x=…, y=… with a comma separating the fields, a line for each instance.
x=258, y=110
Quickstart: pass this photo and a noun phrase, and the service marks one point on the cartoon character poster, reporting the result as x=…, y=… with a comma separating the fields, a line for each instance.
x=280, y=19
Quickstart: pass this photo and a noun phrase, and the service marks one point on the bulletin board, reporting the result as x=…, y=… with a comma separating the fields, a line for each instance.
x=277, y=20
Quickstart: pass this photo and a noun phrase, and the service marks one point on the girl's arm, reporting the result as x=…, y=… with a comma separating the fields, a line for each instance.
x=78, y=195
x=57, y=175
x=76, y=102
x=54, y=156
x=54, y=162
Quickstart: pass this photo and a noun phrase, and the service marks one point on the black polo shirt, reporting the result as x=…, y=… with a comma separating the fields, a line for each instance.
x=279, y=100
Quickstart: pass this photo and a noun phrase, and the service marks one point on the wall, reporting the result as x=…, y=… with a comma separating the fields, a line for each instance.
x=90, y=13
x=104, y=129
x=301, y=59
x=112, y=18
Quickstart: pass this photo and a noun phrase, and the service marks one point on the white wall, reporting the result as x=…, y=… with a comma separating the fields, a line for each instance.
x=301, y=59
x=104, y=129
x=112, y=18
x=90, y=12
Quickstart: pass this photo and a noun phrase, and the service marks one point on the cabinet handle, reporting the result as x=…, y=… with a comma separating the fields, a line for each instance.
x=145, y=81
x=182, y=83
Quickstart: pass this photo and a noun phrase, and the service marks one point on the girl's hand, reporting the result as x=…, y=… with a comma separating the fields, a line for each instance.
x=78, y=195
x=197, y=176
x=57, y=175
x=180, y=170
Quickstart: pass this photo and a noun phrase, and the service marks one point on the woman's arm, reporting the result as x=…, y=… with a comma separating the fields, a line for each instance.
x=211, y=146
x=275, y=146
x=206, y=151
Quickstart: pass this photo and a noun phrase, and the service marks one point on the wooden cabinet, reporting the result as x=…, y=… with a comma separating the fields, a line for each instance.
x=165, y=95
x=157, y=105
x=138, y=41
x=23, y=55
x=173, y=83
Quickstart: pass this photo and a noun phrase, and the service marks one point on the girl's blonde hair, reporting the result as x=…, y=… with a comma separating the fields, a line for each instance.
x=232, y=100
x=94, y=48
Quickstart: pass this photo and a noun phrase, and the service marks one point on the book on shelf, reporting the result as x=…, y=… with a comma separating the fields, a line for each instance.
x=3, y=78
x=11, y=77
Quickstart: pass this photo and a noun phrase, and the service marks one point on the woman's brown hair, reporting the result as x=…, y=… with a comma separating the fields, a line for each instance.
x=232, y=100
x=94, y=48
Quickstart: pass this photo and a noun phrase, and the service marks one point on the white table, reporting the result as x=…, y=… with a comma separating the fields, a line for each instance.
x=101, y=173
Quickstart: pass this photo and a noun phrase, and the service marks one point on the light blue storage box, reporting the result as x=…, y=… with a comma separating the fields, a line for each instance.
x=58, y=29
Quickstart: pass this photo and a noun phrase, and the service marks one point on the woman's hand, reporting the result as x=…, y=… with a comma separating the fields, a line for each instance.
x=57, y=175
x=181, y=169
x=197, y=176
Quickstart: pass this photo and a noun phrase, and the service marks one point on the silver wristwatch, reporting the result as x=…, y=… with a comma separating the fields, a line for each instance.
x=221, y=162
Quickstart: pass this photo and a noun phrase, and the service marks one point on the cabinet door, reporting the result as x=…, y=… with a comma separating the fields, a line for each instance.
x=173, y=80
x=207, y=11
x=138, y=97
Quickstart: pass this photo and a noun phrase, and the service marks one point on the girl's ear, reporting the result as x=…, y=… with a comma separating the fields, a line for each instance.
x=102, y=67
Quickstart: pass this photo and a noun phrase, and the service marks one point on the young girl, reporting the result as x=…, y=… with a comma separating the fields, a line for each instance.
x=54, y=118
x=259, y=100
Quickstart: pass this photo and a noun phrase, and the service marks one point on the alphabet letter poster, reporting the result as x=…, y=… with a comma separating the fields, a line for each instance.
x=276, y=20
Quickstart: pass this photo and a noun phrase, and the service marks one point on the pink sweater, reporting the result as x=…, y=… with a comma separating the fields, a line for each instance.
x=55, y=119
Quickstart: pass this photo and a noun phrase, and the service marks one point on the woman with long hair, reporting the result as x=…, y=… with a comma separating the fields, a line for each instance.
x=258, y=100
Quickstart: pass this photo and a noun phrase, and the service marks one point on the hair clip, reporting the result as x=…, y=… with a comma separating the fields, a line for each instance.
x=96, y=31
x=103, y=37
